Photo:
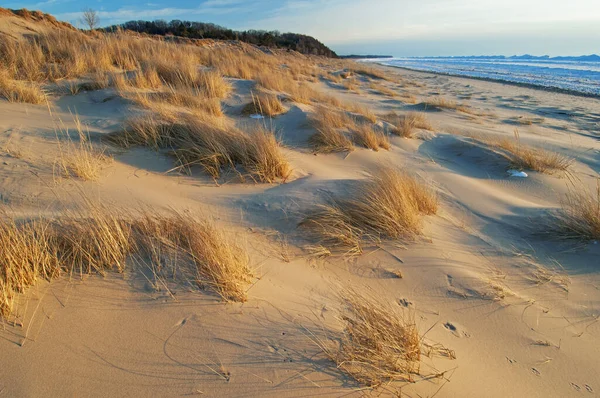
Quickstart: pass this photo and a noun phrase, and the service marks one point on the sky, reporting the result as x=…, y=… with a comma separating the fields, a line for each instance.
x=394, y=27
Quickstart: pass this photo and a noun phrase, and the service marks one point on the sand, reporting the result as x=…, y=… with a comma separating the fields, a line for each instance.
x=474, y=281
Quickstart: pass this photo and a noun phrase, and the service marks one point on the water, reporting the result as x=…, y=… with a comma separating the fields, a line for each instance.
x=572, y=75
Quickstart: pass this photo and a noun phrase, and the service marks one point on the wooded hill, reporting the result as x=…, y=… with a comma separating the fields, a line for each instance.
x=199, y=30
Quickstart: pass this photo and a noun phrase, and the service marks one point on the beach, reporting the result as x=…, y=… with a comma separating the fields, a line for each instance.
x=504, y=303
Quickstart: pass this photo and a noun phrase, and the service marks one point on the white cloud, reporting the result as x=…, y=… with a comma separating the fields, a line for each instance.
x=341, y=21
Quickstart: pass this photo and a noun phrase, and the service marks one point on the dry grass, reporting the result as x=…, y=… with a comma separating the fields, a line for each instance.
x=81, y=158
x=579, y=218
x=444, y=103
x=94, y=239
x=522, y=156
x=368, y=136
x=302, y=94
x=408, y=98
x=218, y=261
x=146, y=78
x=327, y=118
x=264, y=104
x=351, y=85
x=191, y=97
x=213, y=84
x=527, y=121
x=328, y=140
x=200, y=140
x=378, y=344
x=405, y=125
x=383, y=90
x=362, y=110
x=20, y=91
x=388, y=205
x=45, y=248
x=262, y=156
x=369, y=72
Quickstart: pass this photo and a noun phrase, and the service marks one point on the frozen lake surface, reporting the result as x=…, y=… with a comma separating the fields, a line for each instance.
x=572, y=75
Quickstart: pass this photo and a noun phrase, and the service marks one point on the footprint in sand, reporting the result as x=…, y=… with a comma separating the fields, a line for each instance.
x=535, y=372
x=589, y=388
x=405, y=303
x=575, y=387
x=456, y=330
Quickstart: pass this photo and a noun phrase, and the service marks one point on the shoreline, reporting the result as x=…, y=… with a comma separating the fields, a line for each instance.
x=501, y=81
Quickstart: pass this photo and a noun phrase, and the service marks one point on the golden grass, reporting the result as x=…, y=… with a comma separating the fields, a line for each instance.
x=146, y=78
x=368, y=136
x=444, y=103
x=264, y=104
x=276, y=80
x=80, y=159
x=199, y=140
x=334, y=77
x=328, y=140
x=361, y=110
x=522, y=156
x=191, y=97
x=45, y=248
x=325, y=117
x=378, y=344
x=383, y=90
x=579, y=218
x=213, y=84
x=369, y=72
x=527, y=121
x=351, y=85
x=405, y=125
x=20, y=91
x=302, y=94
x=94, y=239
x=387, y=205
x=218, y=260
x=408, y=98
x=262, y=156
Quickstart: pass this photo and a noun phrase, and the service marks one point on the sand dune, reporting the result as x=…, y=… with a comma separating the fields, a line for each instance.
x=503, y=304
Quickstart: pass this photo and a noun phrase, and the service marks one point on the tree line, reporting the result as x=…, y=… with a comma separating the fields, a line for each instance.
x=199, y=30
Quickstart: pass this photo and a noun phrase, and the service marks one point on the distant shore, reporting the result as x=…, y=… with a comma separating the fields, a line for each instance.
x=503, y=81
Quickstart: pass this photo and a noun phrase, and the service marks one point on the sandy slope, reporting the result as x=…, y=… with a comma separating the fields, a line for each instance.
x=472, y=281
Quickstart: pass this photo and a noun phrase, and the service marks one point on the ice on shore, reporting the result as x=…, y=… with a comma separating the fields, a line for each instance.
x=517, y=173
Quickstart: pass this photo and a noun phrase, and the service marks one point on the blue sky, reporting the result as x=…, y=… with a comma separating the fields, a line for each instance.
x=396, y=27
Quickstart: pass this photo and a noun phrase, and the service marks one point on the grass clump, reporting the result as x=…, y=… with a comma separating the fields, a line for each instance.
x=327, y=118
x=80, y=159
x=262, y=156
x=45, y=248
x=328, y=140
x=444, y=103
x=378, y=345
x=20, y=91
x=93, y=239
x=579, y=218
x=522, y=156
x=389, y=204
x=264, y=104
x=405, y=125
x=366, y=135
x=217, y=260
x=200, y=140
x=383, y=90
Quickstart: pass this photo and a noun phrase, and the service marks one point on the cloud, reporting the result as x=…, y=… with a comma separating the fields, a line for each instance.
x=339, y=21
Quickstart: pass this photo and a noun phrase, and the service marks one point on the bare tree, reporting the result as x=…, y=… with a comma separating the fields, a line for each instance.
x=90, y=18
